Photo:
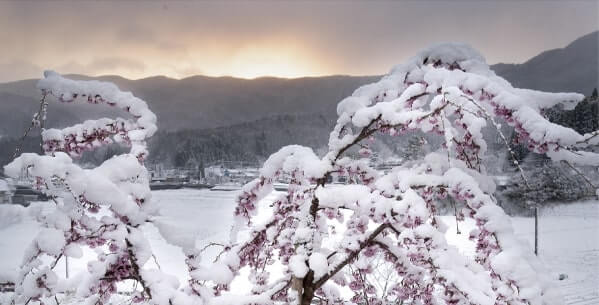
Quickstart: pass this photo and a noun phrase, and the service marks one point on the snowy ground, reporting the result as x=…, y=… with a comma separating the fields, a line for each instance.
x=569, y=237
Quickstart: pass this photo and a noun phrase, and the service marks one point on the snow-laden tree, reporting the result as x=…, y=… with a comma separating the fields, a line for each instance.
x=324, y=237
x=102, y=208
x=316, y=243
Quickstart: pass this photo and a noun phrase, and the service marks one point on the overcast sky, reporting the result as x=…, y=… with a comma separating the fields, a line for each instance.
x=282, y=38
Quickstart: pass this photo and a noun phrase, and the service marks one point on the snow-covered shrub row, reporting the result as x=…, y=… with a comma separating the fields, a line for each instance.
x=446, y=90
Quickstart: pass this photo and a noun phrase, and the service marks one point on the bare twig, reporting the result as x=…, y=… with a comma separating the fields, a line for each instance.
x=38, y=117
x=586, y=179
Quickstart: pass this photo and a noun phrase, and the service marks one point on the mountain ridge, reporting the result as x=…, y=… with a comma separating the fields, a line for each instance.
x=205, y=102
x=573, y=68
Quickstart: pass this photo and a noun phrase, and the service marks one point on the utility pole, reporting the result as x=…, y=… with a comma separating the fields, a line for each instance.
x=534, y=205
x=536, y=229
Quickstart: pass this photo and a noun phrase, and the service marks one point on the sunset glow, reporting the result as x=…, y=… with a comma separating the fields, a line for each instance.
x=277, y=59
x=255, y=61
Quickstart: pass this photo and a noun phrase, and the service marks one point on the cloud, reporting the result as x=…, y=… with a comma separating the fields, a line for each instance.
x=116, y=63
x=19, y=69
x=135, y=33
x=104, y=65
x=139, y=39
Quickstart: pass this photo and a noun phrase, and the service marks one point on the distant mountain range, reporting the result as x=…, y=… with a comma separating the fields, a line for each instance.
x=574, y=68
x=201, y=102
x=197, y=102
x=242, y=111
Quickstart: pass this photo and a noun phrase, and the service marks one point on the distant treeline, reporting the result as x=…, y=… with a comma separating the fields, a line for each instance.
x=252, y=142
x=255, y=141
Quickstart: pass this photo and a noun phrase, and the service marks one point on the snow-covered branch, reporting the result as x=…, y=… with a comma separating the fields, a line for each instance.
x=102, y=208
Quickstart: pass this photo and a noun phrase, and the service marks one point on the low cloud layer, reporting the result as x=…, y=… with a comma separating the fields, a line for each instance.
x=289, y=39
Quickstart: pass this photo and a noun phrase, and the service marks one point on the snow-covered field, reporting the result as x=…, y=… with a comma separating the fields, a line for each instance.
x=569, y=237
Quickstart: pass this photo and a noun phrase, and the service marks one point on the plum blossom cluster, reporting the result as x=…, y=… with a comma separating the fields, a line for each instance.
x=91, y=134
x=325, y=237
x=86, y=137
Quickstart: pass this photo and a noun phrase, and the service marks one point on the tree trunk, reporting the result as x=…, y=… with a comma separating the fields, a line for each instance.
x=297, y=286
x=308, y=287
x=307, y=296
